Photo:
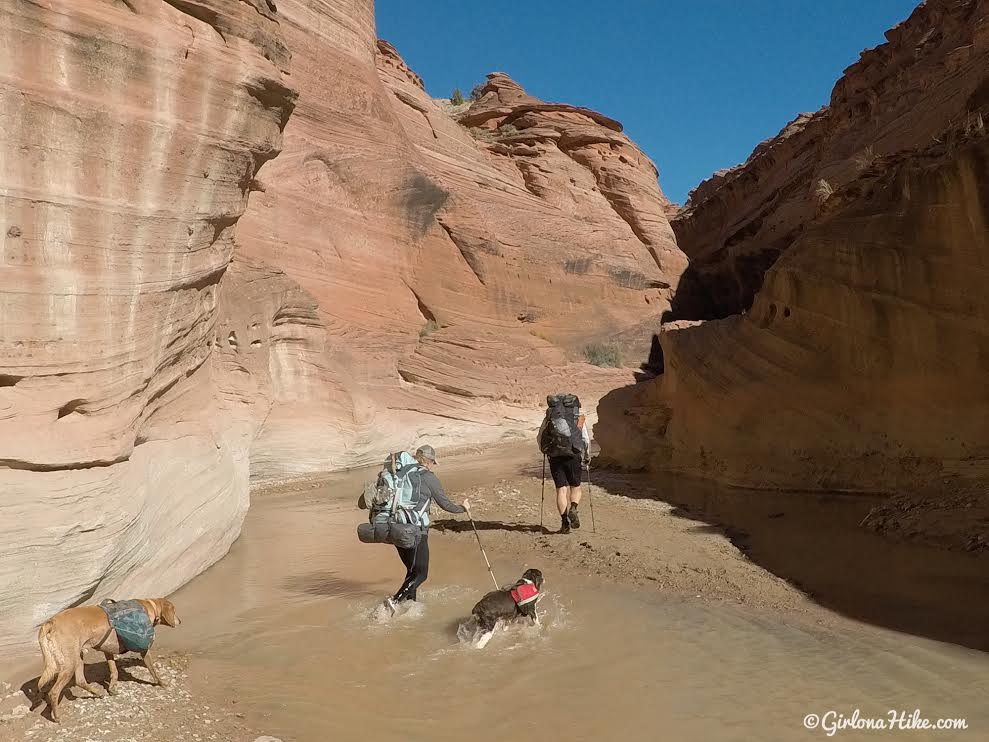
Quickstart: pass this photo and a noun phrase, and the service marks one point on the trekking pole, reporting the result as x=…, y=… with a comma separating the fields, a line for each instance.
x=478, y=536
x=542, y=498
x=590, y=498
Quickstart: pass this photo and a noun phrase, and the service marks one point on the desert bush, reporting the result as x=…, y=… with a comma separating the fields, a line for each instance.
x=429, y=328
x=477, y=92
x=823, y=191
x=508, y=130
x=864, y=159
x=483, y=135
x=457, y=98
x=606, y=355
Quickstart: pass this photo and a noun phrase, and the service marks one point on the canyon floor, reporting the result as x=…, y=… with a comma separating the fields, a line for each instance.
x=656, y=621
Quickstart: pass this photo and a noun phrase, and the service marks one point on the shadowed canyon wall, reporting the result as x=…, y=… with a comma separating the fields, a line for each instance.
x=396, y=274
x=861, y=364
x=929, y=77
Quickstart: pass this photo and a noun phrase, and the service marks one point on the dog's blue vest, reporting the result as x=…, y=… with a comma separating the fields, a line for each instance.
x=131, y=622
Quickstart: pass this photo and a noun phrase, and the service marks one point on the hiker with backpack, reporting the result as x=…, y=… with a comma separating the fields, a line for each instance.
x=399, y=504
x=564, y=440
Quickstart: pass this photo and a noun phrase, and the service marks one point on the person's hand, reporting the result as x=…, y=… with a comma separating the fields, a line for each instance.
x=466, y=504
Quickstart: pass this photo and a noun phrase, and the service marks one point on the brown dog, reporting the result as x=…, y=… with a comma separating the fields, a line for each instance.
x=69, y=633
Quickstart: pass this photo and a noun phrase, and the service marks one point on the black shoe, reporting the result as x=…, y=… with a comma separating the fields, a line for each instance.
x=574, y=518
x=564, y=524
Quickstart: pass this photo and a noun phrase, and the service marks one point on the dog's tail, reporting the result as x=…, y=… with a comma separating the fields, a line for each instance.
x=49, y=653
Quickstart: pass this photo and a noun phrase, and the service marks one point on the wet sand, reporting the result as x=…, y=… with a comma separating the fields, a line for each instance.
x=656, y=626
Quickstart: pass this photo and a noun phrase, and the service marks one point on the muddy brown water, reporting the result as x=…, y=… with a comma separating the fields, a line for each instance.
x=288, y=628
x=287, y=623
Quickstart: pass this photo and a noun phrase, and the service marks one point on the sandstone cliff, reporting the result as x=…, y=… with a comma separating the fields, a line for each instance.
x=129, y=134
x=861, y=364
x=452, y=271
x=930, y=76
x=397, y=274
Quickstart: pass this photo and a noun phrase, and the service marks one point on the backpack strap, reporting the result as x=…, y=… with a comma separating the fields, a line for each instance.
x=402, y=475
x=422, y=508
x=397, y=492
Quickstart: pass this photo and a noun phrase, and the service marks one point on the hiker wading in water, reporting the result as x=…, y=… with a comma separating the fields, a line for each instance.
x=564, y=439
x=427, y=488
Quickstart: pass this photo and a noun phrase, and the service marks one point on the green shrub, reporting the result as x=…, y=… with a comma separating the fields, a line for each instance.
x=607, y=355
x=457, y=98
x=477, y=92
x=429, y=328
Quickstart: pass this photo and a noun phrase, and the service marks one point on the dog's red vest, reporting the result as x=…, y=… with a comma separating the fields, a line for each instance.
x=525, y=593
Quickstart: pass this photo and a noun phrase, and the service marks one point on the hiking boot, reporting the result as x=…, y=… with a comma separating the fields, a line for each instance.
x=564, y=524
x=391, y=605
x=574, y=518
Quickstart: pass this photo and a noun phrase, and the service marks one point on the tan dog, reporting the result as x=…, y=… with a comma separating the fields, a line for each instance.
x=69, y=633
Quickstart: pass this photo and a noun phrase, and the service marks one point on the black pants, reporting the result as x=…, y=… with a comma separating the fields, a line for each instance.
x=416, y=563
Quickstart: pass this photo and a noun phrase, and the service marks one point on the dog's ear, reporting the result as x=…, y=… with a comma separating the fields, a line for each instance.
x=155, y=610
x=167, y=612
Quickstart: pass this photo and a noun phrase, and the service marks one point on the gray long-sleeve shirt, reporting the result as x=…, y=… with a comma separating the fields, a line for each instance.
x=429, y=486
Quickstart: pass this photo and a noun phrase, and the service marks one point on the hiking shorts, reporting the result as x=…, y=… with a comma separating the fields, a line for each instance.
x=565, y=471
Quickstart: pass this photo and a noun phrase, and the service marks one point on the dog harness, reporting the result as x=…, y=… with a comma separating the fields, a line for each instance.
x=525, y=592
x=132, y=624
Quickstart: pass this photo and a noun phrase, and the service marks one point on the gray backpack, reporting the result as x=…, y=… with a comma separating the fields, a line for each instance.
x=561, y=434
x=396, y=515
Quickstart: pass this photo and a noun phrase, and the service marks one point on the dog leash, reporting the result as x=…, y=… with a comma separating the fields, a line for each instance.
x=478, y=537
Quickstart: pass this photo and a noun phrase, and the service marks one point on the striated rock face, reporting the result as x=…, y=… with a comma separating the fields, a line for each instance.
x=449, y=273
x=130, y=134
x=862, y=363
x=931, y=75
x=398, y=274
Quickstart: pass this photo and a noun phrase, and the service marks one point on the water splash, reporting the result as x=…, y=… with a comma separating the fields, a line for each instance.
x=404, y=612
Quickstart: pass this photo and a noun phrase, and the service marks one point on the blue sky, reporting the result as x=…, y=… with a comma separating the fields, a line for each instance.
x=697, y=83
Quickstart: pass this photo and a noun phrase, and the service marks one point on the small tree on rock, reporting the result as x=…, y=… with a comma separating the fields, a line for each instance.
x=457, y=98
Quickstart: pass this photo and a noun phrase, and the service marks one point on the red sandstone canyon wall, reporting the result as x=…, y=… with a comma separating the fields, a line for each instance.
x=129, y=135
x=861, y=363
x=454, y=263
x=178, y=320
